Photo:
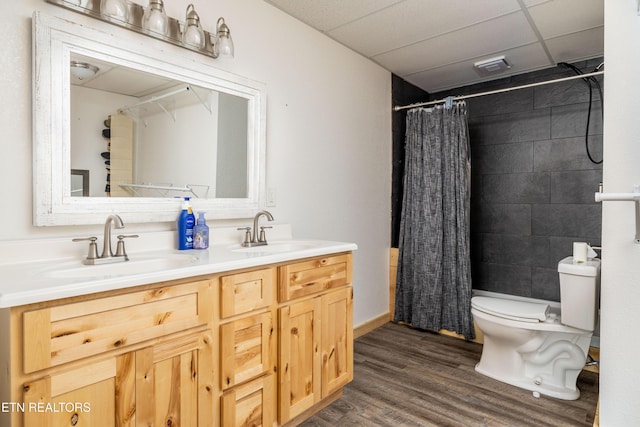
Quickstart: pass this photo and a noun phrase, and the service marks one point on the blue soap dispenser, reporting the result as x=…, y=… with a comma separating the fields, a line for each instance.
x=201, y=233
x=186, y=222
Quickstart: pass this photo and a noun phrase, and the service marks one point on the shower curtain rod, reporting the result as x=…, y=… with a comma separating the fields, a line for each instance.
x=493, y=92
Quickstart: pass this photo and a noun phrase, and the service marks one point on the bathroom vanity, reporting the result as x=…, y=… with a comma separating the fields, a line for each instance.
x=230, y=336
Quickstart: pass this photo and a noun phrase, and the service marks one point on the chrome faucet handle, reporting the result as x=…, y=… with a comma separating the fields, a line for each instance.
x=93, y=247
x=120, y=247
x=247, y=235
x=263, y=237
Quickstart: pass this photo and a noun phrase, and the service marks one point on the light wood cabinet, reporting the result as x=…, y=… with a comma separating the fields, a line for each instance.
x=250, y=404
x=316, y=335
x=137, y=358
x=163, y=384
x=255, y=347
x=248, y=348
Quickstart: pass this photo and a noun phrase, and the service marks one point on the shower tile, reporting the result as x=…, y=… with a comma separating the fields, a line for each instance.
x=502, y=103
x=545, y=284
x=566, y=220
x=513, y=249
x=566, y=154
x=575, y=186
x=516, y=188
x=571, y=120
x=563, y=93
x=531, y=125
x=503, y=158
x=499, y=218
x=502, y=278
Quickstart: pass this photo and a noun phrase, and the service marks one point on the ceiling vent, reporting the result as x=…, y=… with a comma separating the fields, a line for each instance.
x=488, y=67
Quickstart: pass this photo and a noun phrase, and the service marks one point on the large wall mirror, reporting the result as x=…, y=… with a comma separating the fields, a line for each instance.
x=146, y=127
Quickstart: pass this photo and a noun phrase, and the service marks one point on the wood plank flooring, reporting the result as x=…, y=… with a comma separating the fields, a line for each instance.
x=407, y=377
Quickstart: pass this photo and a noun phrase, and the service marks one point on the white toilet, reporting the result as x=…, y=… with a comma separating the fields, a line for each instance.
x=528, y=345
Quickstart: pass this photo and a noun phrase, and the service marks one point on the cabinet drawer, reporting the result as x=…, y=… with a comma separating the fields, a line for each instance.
x=245, y=292
x=60, y=334
x=247, y=348
x=251, y=404
x=315, y=275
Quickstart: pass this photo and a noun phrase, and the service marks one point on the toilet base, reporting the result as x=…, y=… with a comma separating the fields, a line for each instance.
x=529, y=384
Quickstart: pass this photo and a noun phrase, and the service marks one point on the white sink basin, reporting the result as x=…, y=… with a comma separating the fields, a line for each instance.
x=277, y=247
x=133, y=266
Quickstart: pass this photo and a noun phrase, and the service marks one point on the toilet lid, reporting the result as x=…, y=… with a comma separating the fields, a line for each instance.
x=511, y=309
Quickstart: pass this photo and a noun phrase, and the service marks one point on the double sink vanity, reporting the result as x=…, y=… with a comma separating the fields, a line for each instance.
x=229, y=336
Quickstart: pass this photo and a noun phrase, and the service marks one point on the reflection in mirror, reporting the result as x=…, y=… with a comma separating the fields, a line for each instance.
x=148, y=125
x=79, y=183
x=142, y=135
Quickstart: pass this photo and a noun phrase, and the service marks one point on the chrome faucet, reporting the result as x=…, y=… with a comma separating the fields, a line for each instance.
x=252, y=238
x=107, y=254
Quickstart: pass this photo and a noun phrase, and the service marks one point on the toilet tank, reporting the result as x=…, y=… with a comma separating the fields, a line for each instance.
x=579, y=292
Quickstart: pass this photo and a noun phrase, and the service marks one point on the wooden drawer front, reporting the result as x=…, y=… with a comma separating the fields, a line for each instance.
x=251, y=404
x=247, y=349
x=245, y=292
x=64, y=333
x=314, y=275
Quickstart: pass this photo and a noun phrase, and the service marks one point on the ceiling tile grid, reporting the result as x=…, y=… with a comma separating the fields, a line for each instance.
x=434, y=43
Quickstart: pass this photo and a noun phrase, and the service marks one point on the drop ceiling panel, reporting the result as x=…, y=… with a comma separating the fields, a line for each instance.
x=556, y=18
x=414, y=21
x=326, y=15
x=576, y=46
x=430, y=42
x=525, y=58
x=485, y=39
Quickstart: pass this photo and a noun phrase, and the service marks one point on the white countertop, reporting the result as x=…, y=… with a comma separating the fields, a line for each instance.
x=25, y=280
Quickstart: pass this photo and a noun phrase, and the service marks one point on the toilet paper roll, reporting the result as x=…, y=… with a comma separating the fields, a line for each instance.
x=580, y=250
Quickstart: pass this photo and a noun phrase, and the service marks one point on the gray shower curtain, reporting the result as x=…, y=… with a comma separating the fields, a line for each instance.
x=433, y=284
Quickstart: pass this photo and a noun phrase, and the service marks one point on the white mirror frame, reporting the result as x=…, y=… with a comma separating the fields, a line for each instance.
x=53, y=41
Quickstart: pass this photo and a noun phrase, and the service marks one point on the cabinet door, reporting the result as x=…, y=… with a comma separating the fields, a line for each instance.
x=165, y=384
x=337, y=340
x=251, y=404
x=299, y=367
x=174, y=383
x=247, y=348
x=85, y=396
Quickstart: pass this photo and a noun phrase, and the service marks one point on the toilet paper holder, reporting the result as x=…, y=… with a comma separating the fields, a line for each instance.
x=623, y=197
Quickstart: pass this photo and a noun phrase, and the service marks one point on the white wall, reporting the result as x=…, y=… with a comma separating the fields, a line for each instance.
x=619, y=370
x=328, y=130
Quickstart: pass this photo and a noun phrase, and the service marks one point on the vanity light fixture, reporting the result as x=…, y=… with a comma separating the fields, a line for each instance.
x=223, y=44
x=155, y=18
x=192, y=33
x=150, y=21
x=83, y=70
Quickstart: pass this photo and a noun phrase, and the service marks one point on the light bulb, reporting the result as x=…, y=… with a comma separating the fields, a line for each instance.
x=193, y=33
x=155, y=18
x=116, y=9
x=223, y=43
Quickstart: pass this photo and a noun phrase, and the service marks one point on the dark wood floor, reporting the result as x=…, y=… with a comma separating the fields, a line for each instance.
x=406, y=377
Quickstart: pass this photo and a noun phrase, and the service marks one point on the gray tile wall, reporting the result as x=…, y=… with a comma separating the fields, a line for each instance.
x=532, y=182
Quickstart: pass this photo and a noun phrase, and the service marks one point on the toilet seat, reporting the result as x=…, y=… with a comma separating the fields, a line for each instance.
x=520, y=311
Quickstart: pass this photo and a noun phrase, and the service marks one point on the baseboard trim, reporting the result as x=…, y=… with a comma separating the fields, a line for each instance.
x=370, y=325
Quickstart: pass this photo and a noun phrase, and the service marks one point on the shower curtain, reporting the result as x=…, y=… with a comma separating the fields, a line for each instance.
x=433, y=284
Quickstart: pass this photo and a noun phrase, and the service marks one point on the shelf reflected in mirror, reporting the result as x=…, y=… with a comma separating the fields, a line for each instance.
x=143, y=135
